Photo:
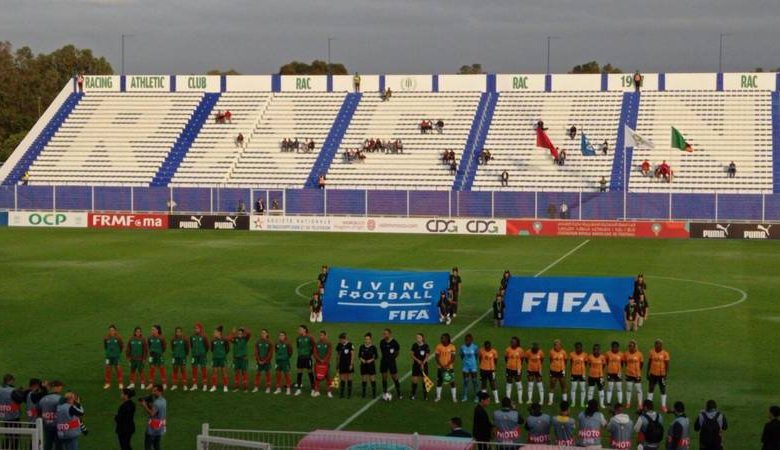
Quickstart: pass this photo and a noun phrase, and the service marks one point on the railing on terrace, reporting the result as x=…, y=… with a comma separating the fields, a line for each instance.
x=403, y=203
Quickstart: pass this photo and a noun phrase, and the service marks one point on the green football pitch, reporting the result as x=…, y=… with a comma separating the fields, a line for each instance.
x=714, y=304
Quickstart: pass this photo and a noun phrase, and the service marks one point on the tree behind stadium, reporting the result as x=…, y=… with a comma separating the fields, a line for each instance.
x=316, y=67
x=593, y=67
x=29, y=83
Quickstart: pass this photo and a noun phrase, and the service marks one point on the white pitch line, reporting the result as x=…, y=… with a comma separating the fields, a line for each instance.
x=462, y=332
x=742, y=298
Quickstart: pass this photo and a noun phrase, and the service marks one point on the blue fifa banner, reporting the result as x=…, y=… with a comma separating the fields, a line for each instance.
x=356, y=295
x=567, y=302
x=3, y=218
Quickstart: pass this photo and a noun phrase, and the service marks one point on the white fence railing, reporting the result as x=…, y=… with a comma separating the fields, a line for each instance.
x=21, y=435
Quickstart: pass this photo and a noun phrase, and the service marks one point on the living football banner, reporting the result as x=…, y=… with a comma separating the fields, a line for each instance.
x=357, y=295
x=567, y=302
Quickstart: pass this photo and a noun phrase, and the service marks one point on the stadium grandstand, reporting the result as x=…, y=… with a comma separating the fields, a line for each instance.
x=192, y=133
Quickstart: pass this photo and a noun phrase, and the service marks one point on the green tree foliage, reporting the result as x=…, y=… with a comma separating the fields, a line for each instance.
x=474, y=69
x=316, y=67
x=594, y=67
x=220, y=72
x=28, y=81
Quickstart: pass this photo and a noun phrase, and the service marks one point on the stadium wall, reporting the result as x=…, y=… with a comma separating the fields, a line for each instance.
x=743, y=81
x=582, y=206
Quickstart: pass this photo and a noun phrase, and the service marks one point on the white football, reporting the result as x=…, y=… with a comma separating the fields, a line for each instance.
x=388, y=397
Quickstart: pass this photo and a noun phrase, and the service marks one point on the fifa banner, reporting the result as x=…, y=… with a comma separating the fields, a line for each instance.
x=356, y=295
x=567, y=302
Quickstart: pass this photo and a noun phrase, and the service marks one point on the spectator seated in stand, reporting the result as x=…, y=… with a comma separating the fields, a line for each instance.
x=504, y=178
x=645, y=168
x=604, y=147
x=453, y=167
x=732, y=170
x=239, y=140
x=354, y=155
x=290, y=145
x=260, y=206
x=603, y=185
x=387, y=94
x=485, y=156
x=310, y=146
x=561, y=158
x=540, y=125
x=228, y=117
x=275, y=204
x=440, y=126
x=572, y=132
x=664, y=172
x=321, y=181
x=219, y=117
x=426, y=126
x=394, y=146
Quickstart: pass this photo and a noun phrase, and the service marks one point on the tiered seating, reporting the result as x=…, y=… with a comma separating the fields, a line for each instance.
x=512, y=140
x=119, y=138
x=419, y=166
x=721, y=126
x=287, y=115
x=214, y=151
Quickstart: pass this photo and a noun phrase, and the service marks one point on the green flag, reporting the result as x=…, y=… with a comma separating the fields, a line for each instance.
x=678, y=141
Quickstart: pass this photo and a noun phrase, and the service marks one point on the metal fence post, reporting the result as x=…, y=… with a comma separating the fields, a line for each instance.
x=716, y=206
x=170, y=198
x=763, y=207
x=325, y=202
x=492, y=204
x=16, y=197
x=579, y=208
x=132, y=199
x=54, y=198
x=407, y=203
x=415, y=441
x=92, y=197
x=251, y=200
x=536, y=204
x=204, y=429
x=267, y=201
x=670, y=205
x=365, y=202
x=284, y=201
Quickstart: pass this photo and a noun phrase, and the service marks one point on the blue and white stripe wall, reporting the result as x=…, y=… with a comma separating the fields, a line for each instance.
x=433, y=83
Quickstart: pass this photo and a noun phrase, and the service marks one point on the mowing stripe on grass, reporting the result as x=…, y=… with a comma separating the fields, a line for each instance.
x=462, y=332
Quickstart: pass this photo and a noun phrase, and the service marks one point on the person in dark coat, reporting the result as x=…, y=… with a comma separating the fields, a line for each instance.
x=770, y=439
x=125, y=419
x=456, y=429
x=483, y=428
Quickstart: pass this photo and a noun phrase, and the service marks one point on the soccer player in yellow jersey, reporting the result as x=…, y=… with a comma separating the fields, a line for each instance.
x=513, y=355
x=534, y=359
x=445, y=362
x=557, y=371
x=634, y=361
x=596, y=362
x=577, y=360
x=615, y=362
x=657, y=371
x=488, y=356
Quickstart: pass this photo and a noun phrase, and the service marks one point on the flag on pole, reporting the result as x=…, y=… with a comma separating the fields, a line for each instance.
x=542, y=140
x=427, y=383
x=585, y=147
x=633, y=139
x=678, y=141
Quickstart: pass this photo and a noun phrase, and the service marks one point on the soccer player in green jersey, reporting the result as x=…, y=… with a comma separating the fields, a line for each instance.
x=283, y=351
x=137, y=351
x=199, y=348
x=157, y=347
x=113, y=346
x=322, y=354
x=305, y=344
x=264, y=354
x=240, y=340
x=220, y=348
x=180, y=347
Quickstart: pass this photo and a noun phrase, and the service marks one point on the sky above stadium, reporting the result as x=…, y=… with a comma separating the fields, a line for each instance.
x=404, y=36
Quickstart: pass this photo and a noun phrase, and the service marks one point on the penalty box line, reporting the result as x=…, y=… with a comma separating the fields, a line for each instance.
x=460, y=334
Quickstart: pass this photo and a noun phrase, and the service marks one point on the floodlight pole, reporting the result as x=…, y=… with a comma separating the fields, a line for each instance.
x=123, y=51
x=720, y=52
x=549, y=38
x=330, y=39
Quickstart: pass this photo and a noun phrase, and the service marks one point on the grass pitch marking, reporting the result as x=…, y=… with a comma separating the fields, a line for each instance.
x=742, y=298
x=460, y=334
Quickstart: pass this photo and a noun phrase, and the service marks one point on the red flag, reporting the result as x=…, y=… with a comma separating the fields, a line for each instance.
x=542, y=140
